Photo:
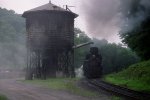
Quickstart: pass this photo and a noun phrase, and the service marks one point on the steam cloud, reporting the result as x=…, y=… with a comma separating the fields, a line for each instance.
x=106, y=18
x=101, y=17
x=13, y=55
x=133, y=13
x=13, y=58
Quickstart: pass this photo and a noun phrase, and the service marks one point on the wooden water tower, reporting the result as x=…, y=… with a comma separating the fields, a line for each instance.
x=50, y=38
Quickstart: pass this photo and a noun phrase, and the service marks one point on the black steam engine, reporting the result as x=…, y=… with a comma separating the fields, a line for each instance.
x=92, y=65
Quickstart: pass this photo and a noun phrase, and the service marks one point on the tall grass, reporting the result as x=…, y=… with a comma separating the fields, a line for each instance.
x=2, y=97
x=136, y=77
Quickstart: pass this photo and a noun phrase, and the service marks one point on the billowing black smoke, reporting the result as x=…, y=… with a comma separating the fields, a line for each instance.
x=133, y=13
x=106, y=18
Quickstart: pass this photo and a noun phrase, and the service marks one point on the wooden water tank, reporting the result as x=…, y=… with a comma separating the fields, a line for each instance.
x=50, y=27
x=50, y=33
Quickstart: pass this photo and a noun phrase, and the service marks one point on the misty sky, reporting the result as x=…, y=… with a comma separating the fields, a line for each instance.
x=108, y=30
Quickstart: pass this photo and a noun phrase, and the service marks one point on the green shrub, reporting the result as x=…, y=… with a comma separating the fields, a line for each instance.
x=136, y=77
x=2, y=97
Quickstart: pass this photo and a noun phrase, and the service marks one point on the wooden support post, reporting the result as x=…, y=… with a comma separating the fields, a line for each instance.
x=72, y=70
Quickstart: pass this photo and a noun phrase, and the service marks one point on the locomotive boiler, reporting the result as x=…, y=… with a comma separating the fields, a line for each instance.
x=92, y=67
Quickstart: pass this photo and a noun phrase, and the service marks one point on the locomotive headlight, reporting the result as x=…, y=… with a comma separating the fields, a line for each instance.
x=93, y=56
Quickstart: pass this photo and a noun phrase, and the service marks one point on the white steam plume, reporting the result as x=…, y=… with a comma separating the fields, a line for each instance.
x=106, y=18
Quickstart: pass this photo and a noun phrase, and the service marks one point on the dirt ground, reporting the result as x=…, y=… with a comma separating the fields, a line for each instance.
x=17, y=90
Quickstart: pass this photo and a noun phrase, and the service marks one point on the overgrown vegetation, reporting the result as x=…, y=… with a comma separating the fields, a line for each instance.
x=2, y=97
x=115, y=56
x=135, y=32
x=136, y=77
x=138, y=39
x=80, y=53
x=13, y=50
x=67, y=84
x=116, y=98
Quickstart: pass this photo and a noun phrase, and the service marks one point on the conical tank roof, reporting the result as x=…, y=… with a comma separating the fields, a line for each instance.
x=48, y=7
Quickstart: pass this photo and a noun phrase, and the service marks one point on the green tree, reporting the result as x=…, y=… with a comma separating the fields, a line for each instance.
x=115, y=57
x=80, y=37
x=139, y=39
x=137, y=25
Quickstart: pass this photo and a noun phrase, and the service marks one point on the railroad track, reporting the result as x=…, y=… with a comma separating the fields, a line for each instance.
x=130, y=94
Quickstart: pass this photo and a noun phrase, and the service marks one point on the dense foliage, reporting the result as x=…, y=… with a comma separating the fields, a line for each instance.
x=80, y=53
x=115, y=57
x=12, y=39
x=13, y=51
x=135, y=77
x=139, y=39
x=2, y=97
x=136, y=28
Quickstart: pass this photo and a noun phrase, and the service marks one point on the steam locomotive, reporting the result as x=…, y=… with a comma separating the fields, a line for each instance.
x=92, y=64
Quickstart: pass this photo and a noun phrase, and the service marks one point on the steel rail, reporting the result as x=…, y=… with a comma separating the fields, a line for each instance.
x=131, y=94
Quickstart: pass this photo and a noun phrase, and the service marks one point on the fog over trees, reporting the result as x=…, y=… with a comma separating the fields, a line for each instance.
x=115, y=56
x=12, y=39
x=13, y=46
